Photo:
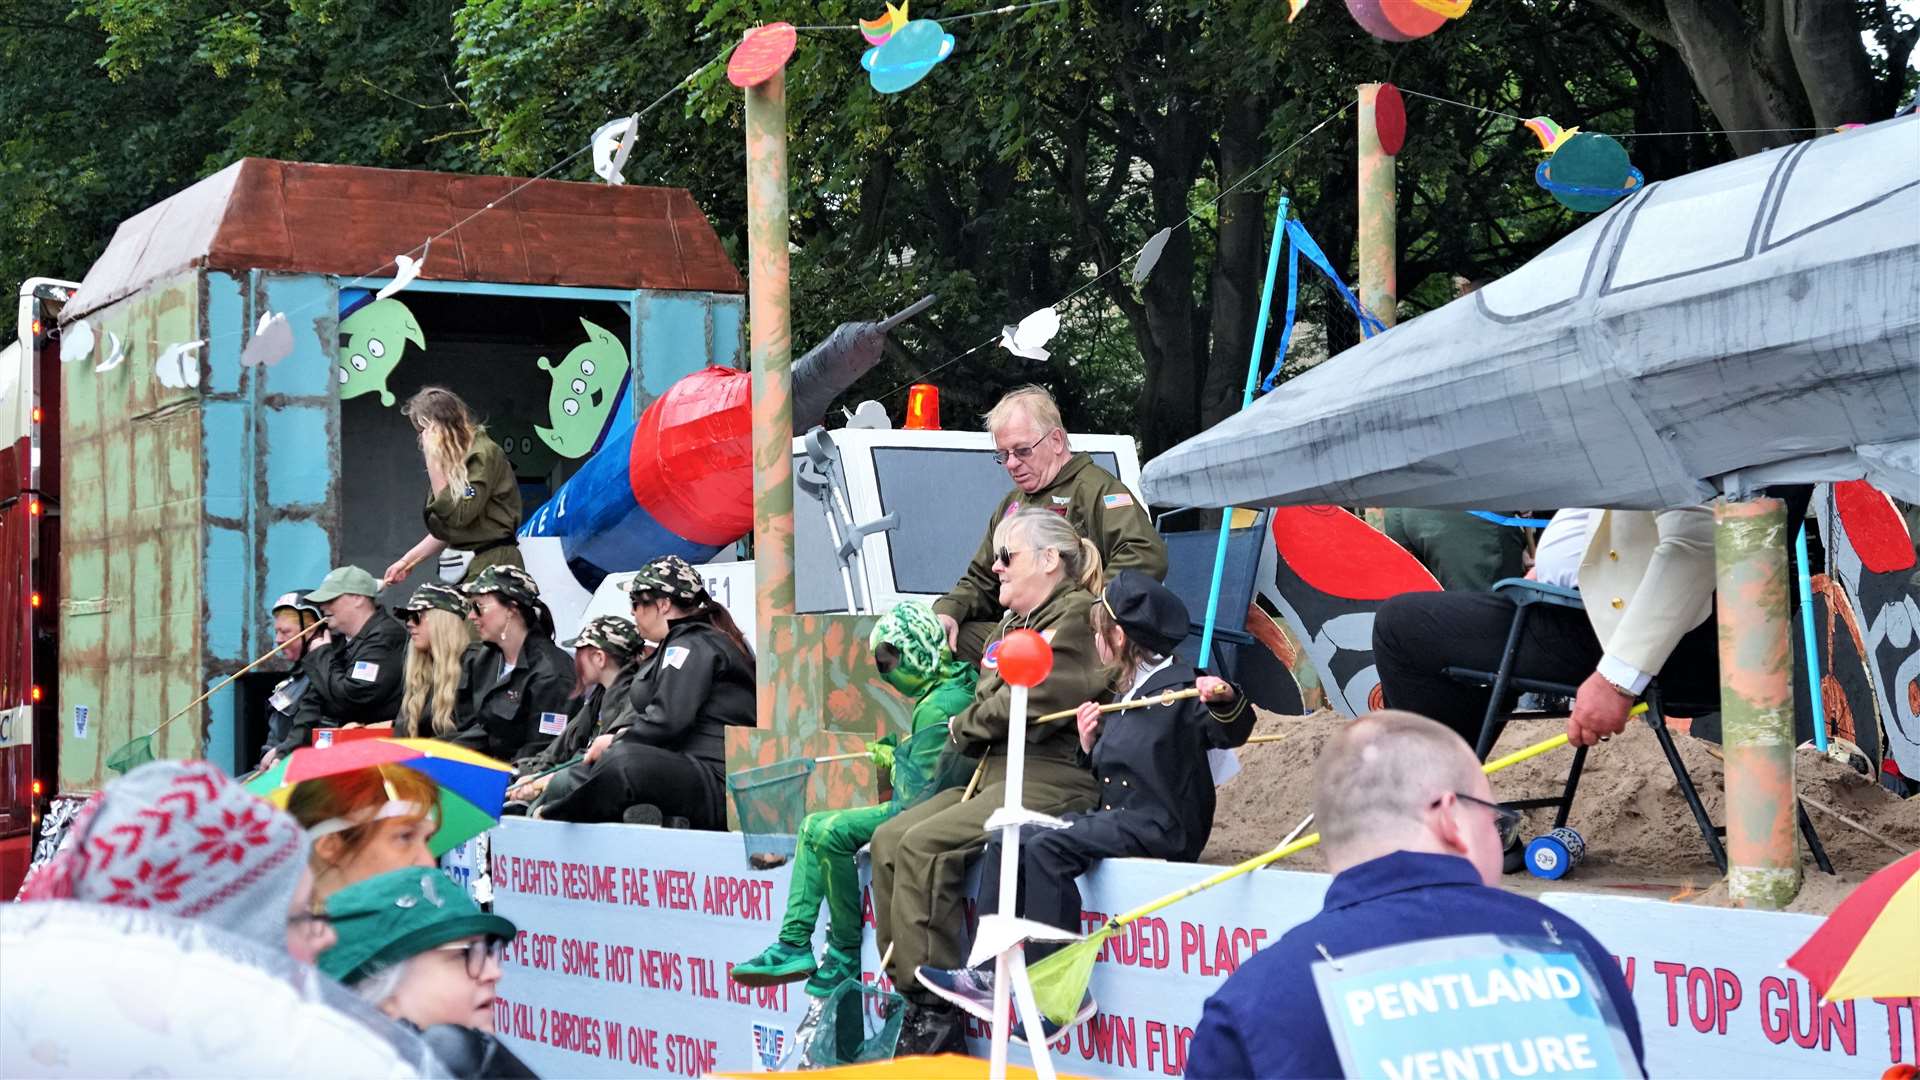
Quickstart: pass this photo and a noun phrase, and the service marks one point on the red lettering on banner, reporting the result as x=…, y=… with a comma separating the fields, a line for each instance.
x=1896, y=1044
x=1626, y=971
x=580, y=958
x=866, y=907
x=1782, y=1004
x=658, y=970
x=633, y=887
x=1727, y=995
x=643, y=1047
x=1674, y=972
x=1167, y=1047
x=744, y=898
x=1109, y=1040
x=700, y=973
x=1143, y=943
x=688, y=1056
x=673, y=889
x=1228, y=948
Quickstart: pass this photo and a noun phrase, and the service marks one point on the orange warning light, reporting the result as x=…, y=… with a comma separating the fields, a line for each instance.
x=923, y=407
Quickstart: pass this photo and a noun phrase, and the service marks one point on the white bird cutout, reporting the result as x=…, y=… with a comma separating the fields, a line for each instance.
x=1030, y=337
x=271, y=343
x=406, y=269
x=179, y=366
x=612, y=142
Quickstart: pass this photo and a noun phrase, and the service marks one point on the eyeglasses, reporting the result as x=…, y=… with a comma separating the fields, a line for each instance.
x=478, y=953
x=309, y=922
x=1004, y=556
x=1506, y=821
x=1022, y=452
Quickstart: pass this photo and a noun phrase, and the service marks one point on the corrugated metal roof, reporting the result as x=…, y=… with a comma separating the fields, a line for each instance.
x=259, y=214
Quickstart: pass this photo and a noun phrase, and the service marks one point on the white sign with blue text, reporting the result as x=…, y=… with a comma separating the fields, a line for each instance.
x=1474, y=1007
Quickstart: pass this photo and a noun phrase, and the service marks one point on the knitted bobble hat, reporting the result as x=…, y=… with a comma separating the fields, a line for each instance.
x=182, y=839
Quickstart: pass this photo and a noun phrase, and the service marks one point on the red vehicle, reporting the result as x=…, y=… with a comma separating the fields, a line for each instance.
x=29, y=571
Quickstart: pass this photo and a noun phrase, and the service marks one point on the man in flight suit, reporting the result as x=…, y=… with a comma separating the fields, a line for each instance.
x=356, y=673
x=1030, y=440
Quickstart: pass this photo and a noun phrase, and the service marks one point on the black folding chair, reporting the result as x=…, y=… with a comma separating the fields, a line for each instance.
x=1503, y=682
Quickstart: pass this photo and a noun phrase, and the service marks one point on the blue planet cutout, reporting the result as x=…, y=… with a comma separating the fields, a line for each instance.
x=1588, y=173
x=906, y=57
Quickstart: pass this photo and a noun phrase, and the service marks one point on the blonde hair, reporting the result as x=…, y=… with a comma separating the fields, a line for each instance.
x=447, y=431
x=1046, y=530
x=433, y=677
x=1034, y=402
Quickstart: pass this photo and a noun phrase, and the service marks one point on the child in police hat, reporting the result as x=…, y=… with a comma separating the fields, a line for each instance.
x=1152, y=764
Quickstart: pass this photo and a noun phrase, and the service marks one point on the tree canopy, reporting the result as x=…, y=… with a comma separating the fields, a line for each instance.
x=1028, y=167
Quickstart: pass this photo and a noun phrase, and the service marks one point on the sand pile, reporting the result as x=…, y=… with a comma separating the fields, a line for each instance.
x=1641, y=838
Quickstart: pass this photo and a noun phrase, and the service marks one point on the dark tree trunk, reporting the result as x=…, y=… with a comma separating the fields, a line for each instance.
x=1238, y=266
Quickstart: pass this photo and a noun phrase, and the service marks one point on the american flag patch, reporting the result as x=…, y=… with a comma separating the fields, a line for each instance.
x=1117, y=500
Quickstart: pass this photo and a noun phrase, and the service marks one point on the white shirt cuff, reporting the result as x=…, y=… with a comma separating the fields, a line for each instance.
x=1622, y=674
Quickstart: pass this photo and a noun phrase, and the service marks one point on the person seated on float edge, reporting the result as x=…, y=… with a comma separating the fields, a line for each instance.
x=1031, y=443
x=365, y=823
x=438, y=637
x=1413, y=838
x=225, y=855
x=603, y=656
x=1048, y=577
x=669, y=762
x=355, y=670
x=910, y=650
x=292, y=713
x=1153, y=766
x=515, y=681
x=416, y=946
x=473, y=497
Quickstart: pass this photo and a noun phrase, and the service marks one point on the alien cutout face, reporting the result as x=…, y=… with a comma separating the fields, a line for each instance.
x=586, y=386
x=372, y=341
x=530, y=456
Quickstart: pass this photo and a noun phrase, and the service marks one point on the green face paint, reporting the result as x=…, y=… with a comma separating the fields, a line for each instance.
x=372, y=341
x=586, y=385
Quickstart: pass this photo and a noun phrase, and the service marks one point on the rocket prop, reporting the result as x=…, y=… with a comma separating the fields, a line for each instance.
x=679, y=480
x=1025, y=659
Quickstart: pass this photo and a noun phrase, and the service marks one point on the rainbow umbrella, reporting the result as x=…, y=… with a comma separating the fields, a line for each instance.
x=473, y=786
x=1869, y=945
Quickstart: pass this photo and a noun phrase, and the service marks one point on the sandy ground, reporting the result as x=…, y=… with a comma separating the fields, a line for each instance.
x=1641, y=839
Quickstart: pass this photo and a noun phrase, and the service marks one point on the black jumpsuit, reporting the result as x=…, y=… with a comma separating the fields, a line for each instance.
x=292, y=714
x=504, y=718
x=1156, y=799
x=358, y=680
x=673, y=754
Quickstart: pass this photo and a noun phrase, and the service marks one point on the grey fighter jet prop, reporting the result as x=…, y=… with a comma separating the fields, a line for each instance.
x=1755, y=322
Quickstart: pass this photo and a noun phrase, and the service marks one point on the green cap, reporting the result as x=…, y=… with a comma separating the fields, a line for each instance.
x=433, y=596
x=344, y=581
x=386, y=919
x=610, y=632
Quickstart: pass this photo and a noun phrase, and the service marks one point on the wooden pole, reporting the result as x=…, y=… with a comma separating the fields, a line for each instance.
x=1379, y=242
x=1756, y=700
x=770, y=348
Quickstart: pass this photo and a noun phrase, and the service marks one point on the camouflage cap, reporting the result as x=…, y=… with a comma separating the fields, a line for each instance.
x=434, y=596
x=510, y=582
x=613, y=633
x=671, y=577
x=919, y=645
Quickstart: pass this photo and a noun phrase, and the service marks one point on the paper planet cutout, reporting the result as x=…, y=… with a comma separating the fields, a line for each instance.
x=1390, y=118
x=761, y=54
x=907, y=56
x=1025, y=658
x=1395, y=20
x=1589, y=173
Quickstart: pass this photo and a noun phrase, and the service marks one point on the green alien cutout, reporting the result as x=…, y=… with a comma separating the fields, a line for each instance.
x=372, y=341
x=586, y=386
x=529, y=456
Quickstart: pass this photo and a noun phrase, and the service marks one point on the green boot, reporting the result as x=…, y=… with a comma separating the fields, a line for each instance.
x=838, y=967
x=778, y=963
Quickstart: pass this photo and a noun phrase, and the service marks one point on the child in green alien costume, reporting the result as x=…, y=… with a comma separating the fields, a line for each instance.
x=910, y=649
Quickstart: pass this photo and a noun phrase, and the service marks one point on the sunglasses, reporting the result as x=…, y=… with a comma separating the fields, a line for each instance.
x=1004, y=556
x=478, y=953
x=1506, y=821
x=1022, y=452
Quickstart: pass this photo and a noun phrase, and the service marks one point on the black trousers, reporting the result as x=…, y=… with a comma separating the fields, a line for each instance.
x=632, y=773
x=1418, y=635
x=1050, y=860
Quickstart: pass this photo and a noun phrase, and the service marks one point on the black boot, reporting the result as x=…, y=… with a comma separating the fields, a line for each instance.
x=932, y=1029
